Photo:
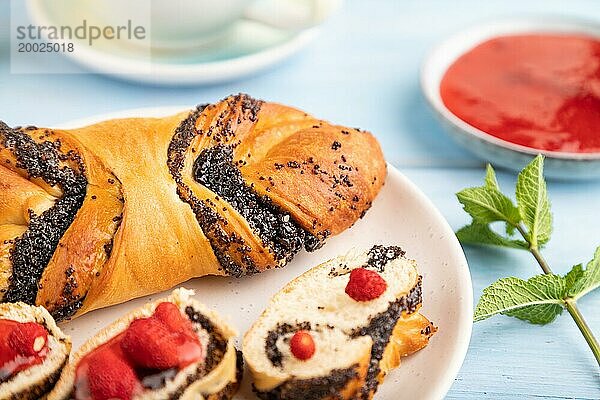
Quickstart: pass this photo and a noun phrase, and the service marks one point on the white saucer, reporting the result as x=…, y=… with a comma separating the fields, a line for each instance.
x=248, y=48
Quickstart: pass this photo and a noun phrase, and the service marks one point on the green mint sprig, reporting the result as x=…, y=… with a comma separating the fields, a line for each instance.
x=527, y=226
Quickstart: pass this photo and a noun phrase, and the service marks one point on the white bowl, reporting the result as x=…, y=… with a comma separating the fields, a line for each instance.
x=561, y=165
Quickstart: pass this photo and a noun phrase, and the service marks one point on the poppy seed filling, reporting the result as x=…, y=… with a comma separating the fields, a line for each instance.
x=33, y=250
x=214, y=168
x=207, y=218
x=217, y=347
x=380, y=329
x=324, y=387
x=209, y=221
x=273, y=353
x=380, y=255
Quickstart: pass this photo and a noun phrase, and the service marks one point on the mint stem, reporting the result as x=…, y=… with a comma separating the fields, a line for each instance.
x=540, y=259
x=535, y=251
x=571, y=306
x=569, y=303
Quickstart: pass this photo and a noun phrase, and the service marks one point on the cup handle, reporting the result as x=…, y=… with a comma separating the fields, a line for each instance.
x=291, y=14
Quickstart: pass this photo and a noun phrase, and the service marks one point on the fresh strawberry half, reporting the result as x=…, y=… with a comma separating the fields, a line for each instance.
x=170, y=315
x=110, y=377
x=365, y=285
x=148, y=343
x=28, y=339
x=302, y=345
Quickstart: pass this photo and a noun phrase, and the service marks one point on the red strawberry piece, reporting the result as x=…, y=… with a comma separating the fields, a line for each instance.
x=189, y=350
x=148, y=343
x=7, y=352
x=110, y=377
x=170, y=315
x=302, y=345
x=7, y=355
x=28, y=339
x=365, y=285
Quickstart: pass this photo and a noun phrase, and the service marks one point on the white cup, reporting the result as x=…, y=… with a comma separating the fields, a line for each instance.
x=177, y=24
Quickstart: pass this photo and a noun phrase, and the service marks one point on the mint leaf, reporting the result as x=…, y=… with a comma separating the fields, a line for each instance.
x=533, y=203
x=492, y=183
x=589, y=279
x=490, y=178
x=482, y=234
x=539, y=314
x=487, y=205
x=573, y=276
x=538, y=300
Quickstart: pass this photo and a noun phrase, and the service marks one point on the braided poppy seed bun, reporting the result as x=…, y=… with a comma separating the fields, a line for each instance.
x=356, y=343
x=37, y=380
x=124, y=208
x=217, y=377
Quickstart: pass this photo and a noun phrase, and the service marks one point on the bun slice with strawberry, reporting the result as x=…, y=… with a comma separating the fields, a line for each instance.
x=338, y=329
x=174, y=348
x=33, y=351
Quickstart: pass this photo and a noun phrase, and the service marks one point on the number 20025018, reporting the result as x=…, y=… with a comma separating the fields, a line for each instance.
x=45, y=47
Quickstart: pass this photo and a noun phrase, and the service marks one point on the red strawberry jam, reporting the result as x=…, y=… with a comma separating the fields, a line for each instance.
x=22, y=345
x=148, y=353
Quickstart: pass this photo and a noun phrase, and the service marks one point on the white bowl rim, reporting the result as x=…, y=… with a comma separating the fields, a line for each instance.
x=539, y=23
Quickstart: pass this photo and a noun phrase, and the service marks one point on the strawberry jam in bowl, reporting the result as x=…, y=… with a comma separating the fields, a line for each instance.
x=511, y=89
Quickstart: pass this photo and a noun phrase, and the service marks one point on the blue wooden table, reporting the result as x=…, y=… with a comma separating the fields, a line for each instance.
x=364, y=71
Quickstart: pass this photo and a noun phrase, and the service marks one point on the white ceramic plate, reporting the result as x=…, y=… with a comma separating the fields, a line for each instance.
x=400, y=215
x=250, y=47
x=558, y=164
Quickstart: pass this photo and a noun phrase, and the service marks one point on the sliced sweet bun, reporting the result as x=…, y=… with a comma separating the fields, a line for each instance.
x=35, y=381
x=216, y=377
x=356, y=342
